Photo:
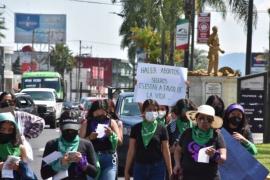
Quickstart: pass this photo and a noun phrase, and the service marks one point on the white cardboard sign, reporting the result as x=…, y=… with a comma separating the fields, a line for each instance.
x=165, y=84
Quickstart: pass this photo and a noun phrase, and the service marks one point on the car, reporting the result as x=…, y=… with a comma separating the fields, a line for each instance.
x=24, y=102
x=71, y=105
x=49, y=106
x=129, y=113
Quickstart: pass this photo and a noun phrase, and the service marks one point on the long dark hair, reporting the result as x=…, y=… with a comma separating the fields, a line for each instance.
x=16, y=139
x=98, y=104
x=183, y=105
x=5, y=93
x=149, y=102
x=243, y=128
x=217, y=103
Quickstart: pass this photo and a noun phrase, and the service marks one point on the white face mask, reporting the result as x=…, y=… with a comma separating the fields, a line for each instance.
x=161, y=114
x=151, y=116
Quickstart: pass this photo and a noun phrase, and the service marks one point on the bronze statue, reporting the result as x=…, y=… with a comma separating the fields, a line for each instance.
x=213, y=43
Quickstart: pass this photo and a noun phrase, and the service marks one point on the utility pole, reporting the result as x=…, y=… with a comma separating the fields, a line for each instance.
x=249, y=37
x=79, y=71
x=192, y=17
x=49, y=53
x=187, y=16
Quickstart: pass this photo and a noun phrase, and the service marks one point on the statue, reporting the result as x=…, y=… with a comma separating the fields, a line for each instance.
x=213, y=43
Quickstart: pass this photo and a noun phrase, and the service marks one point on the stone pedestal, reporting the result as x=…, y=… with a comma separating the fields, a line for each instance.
x=201, y=87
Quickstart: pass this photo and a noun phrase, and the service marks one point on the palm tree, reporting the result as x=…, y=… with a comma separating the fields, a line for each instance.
x=163, y=14
x=62, y=59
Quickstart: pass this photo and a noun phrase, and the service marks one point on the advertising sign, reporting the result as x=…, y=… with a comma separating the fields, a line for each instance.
x=40, y=28
x=258, y=62
x=165, y=84
x=182, y=34
x=203, y=27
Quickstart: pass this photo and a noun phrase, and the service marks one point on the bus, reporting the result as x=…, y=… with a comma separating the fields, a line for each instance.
x=44, y=79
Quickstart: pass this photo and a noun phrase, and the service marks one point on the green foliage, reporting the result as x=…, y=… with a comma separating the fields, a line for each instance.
x=200, y=59
x=61, y=59
x=263, y=154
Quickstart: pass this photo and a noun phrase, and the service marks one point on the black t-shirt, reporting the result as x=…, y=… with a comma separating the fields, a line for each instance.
x=190, y=150
x=152, y=153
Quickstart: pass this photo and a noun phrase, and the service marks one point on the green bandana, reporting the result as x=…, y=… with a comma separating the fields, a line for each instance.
x=201, y=137
x=148, y=131
x=64, y=146
x=182, y=125
x=9, y=149
x=161, y=121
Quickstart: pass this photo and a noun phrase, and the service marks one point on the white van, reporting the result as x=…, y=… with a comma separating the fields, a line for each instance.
x=48, y=105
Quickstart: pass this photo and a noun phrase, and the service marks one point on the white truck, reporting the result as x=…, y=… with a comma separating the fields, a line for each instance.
x=48, y=105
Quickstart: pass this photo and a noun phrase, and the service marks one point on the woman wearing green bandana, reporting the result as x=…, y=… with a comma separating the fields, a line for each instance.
x=198, y=139
x=163, y=112
x=10, y=144
x=77, y=156
x=148, y=146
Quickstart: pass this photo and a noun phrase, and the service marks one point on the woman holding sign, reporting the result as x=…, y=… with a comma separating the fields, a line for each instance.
x=69, y=156
x=148, y=146
x=235, y=122
x=200, y=148
x=104, y=133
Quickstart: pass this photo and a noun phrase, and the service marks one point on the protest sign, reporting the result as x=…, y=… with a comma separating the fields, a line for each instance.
x=240, y=164
x=165, y=84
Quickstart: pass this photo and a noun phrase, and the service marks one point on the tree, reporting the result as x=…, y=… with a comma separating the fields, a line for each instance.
x=200, y=59
x=61, y=59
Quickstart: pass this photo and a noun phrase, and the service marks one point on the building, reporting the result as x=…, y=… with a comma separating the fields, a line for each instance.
x=96, y=75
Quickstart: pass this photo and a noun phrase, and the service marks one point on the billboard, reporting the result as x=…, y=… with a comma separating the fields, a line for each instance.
x=31, y=61
x=258, y=62
x=203, y=27
x=40, y=28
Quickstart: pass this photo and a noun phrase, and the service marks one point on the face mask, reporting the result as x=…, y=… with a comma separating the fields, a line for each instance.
x=5, y=138
x=161, y=114
x=236, y=121
x=69, y=136
x=4, y=104
x=100, y=117
x=151, y=116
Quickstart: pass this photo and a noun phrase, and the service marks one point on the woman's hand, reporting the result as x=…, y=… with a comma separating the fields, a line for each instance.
x=210, y=151
x=65, y=160
x=239, y=137
x=74, y=157
x=13, y=166
x=177, y=169
x=93, y=136
x=108, y=131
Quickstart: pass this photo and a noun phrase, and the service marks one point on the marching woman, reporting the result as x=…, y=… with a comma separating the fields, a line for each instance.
x=200, y=139
x=104, y=133
x=148, y=147
x=13, y=156
x=235, y=122
x=77, y=158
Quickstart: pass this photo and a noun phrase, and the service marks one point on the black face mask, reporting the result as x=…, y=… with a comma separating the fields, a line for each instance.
x=5, y=138
x=101, y=117
x=5, y=104
x=236, y=121
x=69, y=136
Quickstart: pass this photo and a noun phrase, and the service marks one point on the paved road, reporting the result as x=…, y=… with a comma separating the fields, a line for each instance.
x=38, y=145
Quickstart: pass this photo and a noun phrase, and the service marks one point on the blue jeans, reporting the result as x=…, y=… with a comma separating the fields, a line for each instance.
x=108, y=166
x=154, y=171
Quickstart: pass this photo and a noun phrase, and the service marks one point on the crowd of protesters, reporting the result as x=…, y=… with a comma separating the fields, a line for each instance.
x=165, y=145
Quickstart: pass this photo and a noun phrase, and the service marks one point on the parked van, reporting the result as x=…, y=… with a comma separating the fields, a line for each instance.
x=49, y=106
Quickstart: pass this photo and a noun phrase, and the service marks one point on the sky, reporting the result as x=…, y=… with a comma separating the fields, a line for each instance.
x=97, y=27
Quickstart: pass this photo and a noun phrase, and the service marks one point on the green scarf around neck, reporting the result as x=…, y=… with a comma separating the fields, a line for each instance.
x=64, y=146
x=9, y=149
x=201, y=137
x=161, y=121
x=182, y=125
x=148, y=131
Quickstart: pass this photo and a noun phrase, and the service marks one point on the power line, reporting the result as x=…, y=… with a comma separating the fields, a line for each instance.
x=95, y=2
x=96, y=42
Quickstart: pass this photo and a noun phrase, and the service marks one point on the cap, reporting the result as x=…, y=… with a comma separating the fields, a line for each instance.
x=69, y=124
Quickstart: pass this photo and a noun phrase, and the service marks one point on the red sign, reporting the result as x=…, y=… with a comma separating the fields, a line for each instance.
x=203, y=27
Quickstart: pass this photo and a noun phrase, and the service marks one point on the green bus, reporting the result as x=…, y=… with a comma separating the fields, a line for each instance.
x=44, y=79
